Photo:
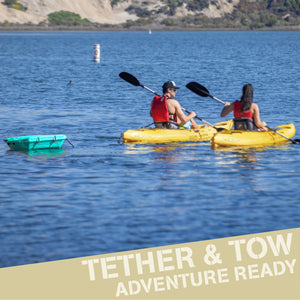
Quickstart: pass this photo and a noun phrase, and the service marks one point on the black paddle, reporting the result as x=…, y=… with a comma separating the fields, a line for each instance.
x=200, y=90
x=134, y=81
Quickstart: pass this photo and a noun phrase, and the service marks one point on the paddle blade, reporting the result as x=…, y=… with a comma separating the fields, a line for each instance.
x=220, y=129
x=198, y=89
x=129, y=78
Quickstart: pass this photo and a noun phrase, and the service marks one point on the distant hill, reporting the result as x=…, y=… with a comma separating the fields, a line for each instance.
x=37, y=11
x=195, y=14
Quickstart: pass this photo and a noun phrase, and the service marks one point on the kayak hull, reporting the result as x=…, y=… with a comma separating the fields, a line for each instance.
x=35, y=142
x=233, y=138
x=156, y=135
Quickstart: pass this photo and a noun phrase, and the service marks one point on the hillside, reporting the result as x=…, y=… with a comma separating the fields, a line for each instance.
x=98, y=11
x=196, y=14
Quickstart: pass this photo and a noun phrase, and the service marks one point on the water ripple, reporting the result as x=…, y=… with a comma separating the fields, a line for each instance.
x=102, y=196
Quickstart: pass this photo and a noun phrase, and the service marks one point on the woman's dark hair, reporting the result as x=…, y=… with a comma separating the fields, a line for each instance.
x=247, y=97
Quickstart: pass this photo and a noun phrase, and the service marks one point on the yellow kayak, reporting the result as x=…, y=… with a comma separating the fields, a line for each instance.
x=156, y=135
x=232, y=138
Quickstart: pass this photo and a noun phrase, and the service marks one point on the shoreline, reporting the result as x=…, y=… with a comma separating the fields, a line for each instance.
x=28, y=28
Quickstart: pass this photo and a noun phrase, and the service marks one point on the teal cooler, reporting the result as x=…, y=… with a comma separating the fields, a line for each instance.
x=36, y=142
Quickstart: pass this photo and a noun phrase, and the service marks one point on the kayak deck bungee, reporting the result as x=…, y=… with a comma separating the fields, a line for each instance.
x=36, y=142
x=232, y=138
x=157, y=135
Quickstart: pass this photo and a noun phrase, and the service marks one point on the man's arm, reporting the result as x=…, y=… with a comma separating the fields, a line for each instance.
x=180, y=114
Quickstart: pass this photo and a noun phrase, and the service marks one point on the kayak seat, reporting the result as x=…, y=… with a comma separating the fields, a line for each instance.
x=245, y=124
x=166, y=125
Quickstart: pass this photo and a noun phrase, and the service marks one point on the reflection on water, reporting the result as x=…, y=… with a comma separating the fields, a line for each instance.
x=250, y=148
x=134, y=148
x=244, y=155
x=248, y=160
x=170, y=152
x=41, y=154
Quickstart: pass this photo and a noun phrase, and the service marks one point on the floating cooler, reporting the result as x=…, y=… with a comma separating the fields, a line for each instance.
x=36, y=142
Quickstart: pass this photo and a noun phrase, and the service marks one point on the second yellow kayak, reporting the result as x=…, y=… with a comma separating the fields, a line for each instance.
x=232, y=138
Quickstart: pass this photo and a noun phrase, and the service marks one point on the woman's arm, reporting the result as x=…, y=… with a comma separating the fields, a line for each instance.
x=227, y=109
x=256, y=116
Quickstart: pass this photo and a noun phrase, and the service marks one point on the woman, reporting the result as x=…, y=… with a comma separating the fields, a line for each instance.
x=245, y=112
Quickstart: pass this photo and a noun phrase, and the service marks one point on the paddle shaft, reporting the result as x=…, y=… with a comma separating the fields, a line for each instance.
x=148, y=89
x=215, y=98
x=296, y=141
x=205, y=122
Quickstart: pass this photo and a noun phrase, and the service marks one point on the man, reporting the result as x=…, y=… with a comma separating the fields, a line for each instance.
x=167, y=112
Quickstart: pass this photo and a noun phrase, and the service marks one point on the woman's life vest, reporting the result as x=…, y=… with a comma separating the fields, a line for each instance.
x=160, y=112
x=237, y=113
x=243, y=120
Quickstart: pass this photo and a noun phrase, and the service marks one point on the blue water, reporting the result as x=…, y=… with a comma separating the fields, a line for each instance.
x=102, y=196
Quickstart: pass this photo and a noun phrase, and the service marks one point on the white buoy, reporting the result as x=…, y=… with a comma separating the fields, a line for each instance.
x=97, y=53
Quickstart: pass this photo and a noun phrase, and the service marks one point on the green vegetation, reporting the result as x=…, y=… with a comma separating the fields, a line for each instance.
x=267, y=13
x=284, y=5
x=139, y=22
x=169, y=22
x=168, y=9
x=240, y=21
x=247, y=15
x=10, y=2
x=140, y=12
x=14, y=4
x=66, y=18
x=115, y=2
x=197, y=4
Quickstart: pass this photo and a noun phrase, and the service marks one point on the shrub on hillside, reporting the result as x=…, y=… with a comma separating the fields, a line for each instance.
x=138, y=22
x=10, y=2
x=197, y=4
x=140, y=12
x=14, y=4
x=169, y=22
x=66, y=18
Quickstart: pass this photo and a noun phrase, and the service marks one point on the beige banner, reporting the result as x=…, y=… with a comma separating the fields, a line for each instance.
x=257, y=266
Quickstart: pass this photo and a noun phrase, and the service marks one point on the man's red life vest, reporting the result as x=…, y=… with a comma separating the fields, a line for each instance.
x=237, y=113
x=160, y=112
